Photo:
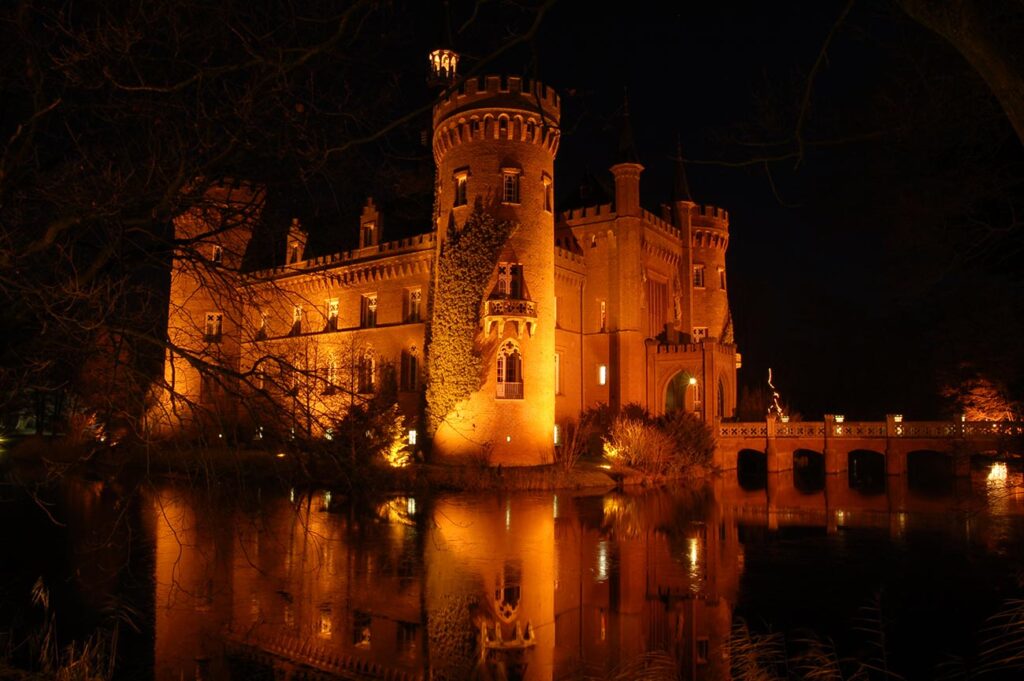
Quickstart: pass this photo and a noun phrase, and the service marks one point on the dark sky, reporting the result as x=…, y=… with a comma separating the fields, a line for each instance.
x=864, y=270
x=869, y=266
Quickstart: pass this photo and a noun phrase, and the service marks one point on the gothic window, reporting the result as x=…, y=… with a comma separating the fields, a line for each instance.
x=700, y=334
x=548, y=202
x=698, y=276
x=510, y=280
x=368, y=311
x=217, y=254
x=366, y=373
x=410, y=374
x=510, y=186
x=721, y=399
x=413, y=305
x=332, y=314
x=603, y=319
x=503, y=128
x=721, y=278
x=461, y=187
x=510, y=372
x=213, y=327
x=296, y=320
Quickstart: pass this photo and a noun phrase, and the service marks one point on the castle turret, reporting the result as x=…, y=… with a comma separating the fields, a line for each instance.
x=495, y=142
x=626, y=170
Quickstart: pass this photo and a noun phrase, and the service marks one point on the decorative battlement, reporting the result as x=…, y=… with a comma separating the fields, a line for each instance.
x=568, y=254
x=500, y=92
x=603, y=210
x=710, y=217
x=419, y=242
x=661, y=225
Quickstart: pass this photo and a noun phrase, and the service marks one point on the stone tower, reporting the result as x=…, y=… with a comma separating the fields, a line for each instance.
x=494, y=143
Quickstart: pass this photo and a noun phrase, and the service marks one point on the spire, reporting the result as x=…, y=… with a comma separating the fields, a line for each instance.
x=444, y=59
x=626, y=151
x=680, y=186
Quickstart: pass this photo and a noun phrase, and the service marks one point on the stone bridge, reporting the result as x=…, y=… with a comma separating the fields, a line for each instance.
x=841, y=444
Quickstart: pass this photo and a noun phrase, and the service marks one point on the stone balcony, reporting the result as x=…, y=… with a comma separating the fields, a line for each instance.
x=522, y=313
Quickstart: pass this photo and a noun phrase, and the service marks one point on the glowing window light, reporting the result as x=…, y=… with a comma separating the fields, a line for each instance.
x=412, y=437
x=897, y=418
x=602, y=374
x=557, y=435
x=410, y=506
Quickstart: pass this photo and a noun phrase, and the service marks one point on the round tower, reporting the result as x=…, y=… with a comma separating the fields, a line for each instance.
x=494, y=143
x=709, y=240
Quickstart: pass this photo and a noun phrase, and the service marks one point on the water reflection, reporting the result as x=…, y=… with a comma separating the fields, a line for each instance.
x=530, y=586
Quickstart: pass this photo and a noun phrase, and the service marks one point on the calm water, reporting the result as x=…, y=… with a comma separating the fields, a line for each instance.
x=220, y=584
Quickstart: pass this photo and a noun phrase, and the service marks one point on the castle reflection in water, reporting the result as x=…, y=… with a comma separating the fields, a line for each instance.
x=539, y=586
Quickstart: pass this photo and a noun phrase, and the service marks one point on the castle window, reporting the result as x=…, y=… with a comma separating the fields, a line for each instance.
x=296, y=320
x=510, y=186
x=474, y=127
x=413, y=306
x=558, y=373
x=698, y=276
x=548, y=202
x=217, y=254
x=700, y=334
x=510, y=372
x=331, y=375
x=503, y=128
x=603, y=316
x=261, y=332
x=368, y=234
x=530, y=128
x=365, y=373
x=361, y=622
x=593, y=241
x=510, y=280
x=410, y=378
x=332, y=314
x=368, y=311
x=602, y=374
x=461, y=186
x=294, y=252
x=721, y=278
x=213, y=327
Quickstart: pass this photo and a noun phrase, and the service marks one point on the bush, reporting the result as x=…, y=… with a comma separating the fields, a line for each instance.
x=674, y=444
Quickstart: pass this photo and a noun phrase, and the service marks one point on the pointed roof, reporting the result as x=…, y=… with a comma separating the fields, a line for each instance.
x=592, y=190
x=626, y=151
x=680, y=185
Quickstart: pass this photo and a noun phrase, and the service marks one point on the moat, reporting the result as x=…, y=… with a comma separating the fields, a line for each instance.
x=259, y=583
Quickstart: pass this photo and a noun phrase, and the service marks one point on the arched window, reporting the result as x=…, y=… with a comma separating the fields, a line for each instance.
x=367, y=370
x=510, y=372
x=721, y=399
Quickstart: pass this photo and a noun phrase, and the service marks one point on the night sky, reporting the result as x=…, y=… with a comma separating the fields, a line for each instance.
x=875, y=250
x=868, y=271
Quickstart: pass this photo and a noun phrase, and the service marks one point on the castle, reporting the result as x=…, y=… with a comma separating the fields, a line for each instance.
x=604, y=303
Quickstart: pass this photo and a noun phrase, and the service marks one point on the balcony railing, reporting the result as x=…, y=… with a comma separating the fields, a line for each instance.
x=510, y=391
x=511, y=307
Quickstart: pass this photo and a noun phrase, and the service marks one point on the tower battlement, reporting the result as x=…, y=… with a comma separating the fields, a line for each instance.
x=500, y=92
x=710, y=217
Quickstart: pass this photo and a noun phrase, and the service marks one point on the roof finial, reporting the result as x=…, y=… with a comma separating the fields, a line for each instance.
x=680, y=185
x=626, y=152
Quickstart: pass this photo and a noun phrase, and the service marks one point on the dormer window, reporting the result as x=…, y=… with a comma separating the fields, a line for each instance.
x=368, y=311
x=294, y=252
x=296, y=320
x=510, y=185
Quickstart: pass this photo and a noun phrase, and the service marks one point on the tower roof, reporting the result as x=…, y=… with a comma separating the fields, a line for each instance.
x=680, y=185
x=626, y=150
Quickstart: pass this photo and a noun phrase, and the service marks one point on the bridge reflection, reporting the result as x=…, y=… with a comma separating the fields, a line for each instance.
x=539, y=587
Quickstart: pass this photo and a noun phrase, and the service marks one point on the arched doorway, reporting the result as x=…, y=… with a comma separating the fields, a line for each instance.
x=676, y=391
x=751, y=469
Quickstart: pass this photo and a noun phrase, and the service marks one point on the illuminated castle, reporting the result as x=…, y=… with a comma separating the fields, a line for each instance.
x=605, y=303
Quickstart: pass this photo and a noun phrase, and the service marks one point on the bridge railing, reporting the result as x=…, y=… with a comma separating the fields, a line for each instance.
x=873, y=429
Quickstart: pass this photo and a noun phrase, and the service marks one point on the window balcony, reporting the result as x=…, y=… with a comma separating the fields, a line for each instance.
x=523, y=313
x=509, y=391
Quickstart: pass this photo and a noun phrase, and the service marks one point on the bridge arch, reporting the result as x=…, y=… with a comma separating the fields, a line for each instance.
x=930, y=471
x=866, y=470
x=751, y=469
x=808, y=471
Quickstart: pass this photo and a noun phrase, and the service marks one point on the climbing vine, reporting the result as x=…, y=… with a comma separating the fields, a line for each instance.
x=466, y=263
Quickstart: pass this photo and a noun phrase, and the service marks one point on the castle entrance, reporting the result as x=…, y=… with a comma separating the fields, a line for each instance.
x=675, y=391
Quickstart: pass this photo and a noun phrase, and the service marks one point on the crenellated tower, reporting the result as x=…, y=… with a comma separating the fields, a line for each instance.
x=494, y=143
x=708, y=229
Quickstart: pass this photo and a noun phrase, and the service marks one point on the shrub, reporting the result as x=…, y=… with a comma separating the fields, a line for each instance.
x=693, y=439
x=676, y=443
